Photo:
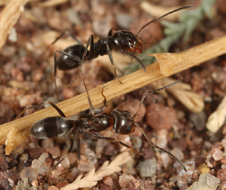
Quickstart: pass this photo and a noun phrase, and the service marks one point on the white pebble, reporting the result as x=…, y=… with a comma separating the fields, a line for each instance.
x=206, y=182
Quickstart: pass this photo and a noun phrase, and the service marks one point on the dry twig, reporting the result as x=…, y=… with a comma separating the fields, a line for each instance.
x=169, y=64
x=93, y=177
x=217, y=118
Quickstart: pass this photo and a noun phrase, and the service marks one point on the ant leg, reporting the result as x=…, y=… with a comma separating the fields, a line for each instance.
x=78, y=135
x=110, y=31
x=55, y=65
x=155, y=146
x=77, y=40
x=38, y=105
x=90, y=40
x=105, y=99
x=116, y=140
x=51, y=169
x=30, y=107
x=57, y=109
x=69, y=34
x=112, y=62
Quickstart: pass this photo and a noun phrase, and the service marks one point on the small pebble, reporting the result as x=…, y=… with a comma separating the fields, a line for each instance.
x=39, y=164
x=8, y=50
x=147, y=168
x=221, y=174
x=64, y=164
x=23, y=184
x=47, y=143
x=24, y=157
x=54, y=151
x=11, y=182
x=137, y=142
x=198, y=119
x=35, y=153
x=101, y=27
x=85, y=165
x=124, y=179
x=203, y=168
x=165, y=159
x=29, y=173
x=108, y=181
x=72, y=158
x=139, y=185
x=109, y=149
x=101, y=144
x=17, y=74
x=206, y=182
x=178, y=153
x=56, y=173
x=162, y=138
x=52, y=188
x=160, y=117
x=73, y=16
x=185, y=178
x=3, y=162
x=103, y=186
x=223, y=185
x=124, y=20
x=217, y=154
x=37, y=75
x=34, y=183
x=90, y=155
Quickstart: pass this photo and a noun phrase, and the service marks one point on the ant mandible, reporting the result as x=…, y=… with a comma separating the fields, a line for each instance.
x=121, y=120
x=125, y=41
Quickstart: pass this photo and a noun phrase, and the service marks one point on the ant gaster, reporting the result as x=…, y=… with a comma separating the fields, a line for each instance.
x=121, y=120
x=125, y=41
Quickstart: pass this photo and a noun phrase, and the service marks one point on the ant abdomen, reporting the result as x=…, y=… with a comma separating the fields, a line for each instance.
x=64, y=62
x=51, y=127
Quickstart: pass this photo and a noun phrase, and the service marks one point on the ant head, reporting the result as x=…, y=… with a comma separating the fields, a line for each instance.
x=127, y=41
x=123, y=122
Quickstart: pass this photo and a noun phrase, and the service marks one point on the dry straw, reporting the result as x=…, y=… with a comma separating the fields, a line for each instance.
x=217, y=118
x=92, y=177
x=183, y=93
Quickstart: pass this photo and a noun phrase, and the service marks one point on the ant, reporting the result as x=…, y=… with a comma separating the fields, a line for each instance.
x=125, y=41
x=121, y=120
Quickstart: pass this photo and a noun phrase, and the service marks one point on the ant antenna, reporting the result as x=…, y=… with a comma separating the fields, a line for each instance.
x=154, y=91
x=144, y=41
x=185, y=7
x=155, y=146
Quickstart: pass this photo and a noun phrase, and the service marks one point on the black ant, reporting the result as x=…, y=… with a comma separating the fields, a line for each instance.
x=125, y=41
x=122, y=121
